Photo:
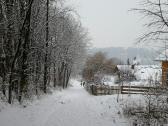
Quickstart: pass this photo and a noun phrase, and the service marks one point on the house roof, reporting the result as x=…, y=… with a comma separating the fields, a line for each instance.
x=163, y=56
x=124, y=67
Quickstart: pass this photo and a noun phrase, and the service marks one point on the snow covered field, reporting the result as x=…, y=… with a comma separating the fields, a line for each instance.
x=143, y=74
x=71, y=107
x=146, y=72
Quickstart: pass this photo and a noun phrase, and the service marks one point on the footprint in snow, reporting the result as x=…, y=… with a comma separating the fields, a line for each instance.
x=118, y=112
x=62, y=102
x=114, y=120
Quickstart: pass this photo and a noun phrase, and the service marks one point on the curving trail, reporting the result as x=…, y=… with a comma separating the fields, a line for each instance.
x=71, y=107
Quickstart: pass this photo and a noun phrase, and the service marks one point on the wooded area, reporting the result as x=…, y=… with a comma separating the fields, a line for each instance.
x=41, y=41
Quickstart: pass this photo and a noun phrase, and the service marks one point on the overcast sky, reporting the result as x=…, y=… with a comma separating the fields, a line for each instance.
x=109, y=22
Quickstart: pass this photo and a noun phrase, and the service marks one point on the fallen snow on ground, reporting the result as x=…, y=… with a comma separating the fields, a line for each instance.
x=71, y=107
x=143, y=73
x=110, y=80
x=146, y=72
x=147, y=75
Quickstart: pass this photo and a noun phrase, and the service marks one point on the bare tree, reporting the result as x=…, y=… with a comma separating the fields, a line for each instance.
x=157, y=24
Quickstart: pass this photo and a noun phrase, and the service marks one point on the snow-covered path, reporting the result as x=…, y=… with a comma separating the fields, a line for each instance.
x=71, y=107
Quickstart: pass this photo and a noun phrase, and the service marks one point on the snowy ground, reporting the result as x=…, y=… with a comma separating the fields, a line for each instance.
x=146, y=72
x=71, y=107
x=143, y=74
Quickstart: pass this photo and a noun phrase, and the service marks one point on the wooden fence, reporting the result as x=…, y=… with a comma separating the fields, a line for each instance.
x=109, y=90
x=103, y=89
x=139, y=90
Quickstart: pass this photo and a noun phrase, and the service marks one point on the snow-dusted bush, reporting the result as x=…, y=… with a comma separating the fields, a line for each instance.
x=97, y=66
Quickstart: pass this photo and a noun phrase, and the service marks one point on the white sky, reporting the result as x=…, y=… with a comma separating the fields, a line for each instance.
x=109, y=22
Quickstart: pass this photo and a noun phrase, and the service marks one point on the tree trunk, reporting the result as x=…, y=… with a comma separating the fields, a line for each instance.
x=64, y=77
x=46, y=55
x=8, y=45
x=55, y=75
x=26, y=38
x=68, y=77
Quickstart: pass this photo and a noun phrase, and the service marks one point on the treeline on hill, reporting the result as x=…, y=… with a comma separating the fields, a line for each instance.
x=99, y=64
x=40, y=41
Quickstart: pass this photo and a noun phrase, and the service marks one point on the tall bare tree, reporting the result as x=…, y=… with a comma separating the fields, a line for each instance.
x=157, y=20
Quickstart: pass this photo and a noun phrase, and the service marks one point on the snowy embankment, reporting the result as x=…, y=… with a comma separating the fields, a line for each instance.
x=71, y=107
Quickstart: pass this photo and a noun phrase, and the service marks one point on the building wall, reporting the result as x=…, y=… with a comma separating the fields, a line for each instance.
x=164, y=73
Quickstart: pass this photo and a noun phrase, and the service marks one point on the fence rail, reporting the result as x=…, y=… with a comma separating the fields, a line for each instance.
x=109, y=90
x=139, y=90
x=103, y=89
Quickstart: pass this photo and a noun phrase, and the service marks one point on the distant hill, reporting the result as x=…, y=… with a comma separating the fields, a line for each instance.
x=144, y=55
